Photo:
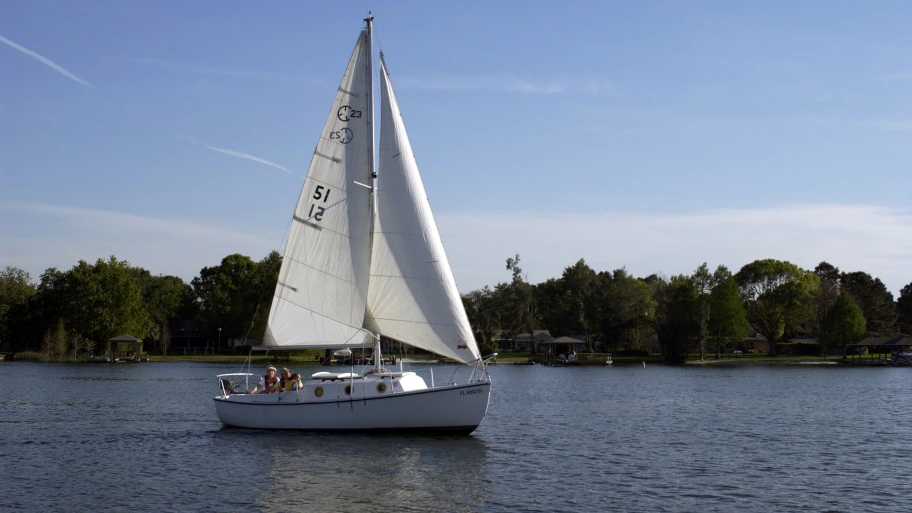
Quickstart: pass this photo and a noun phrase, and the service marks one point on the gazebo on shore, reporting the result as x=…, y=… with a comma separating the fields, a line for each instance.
x=885, y=345
x=113, y=342
x=565, y=344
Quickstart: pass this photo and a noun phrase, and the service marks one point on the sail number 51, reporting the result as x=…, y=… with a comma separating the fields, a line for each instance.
x=321, y=192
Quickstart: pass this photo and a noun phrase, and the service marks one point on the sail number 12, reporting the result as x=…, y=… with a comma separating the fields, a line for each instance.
x=316, y=213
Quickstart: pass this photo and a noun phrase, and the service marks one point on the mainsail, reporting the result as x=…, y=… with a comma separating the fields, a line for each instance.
x=412, y=295
x=320, y=297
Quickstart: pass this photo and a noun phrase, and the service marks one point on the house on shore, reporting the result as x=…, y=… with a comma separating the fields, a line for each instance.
x=520, y=341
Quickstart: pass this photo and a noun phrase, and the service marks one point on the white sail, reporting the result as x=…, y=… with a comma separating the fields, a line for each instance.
x=320, y=296
x=412, y=295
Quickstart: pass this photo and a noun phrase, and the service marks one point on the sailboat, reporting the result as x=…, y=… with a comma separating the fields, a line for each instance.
x=363, y=260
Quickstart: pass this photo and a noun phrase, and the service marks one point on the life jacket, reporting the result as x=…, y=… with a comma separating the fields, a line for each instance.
x=289, y=384
x=270, y=382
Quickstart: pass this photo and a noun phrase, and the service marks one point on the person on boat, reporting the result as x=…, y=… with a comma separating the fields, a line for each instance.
x=296, y=381
x=285, y=381
x=268, y=383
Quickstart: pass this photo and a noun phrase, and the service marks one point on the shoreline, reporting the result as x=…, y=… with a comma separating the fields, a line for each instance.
x=752, y=361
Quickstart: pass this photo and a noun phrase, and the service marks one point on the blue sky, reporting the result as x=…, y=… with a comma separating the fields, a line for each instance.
x=651, y=135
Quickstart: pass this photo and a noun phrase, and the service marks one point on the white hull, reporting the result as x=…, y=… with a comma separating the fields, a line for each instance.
x=452, y=408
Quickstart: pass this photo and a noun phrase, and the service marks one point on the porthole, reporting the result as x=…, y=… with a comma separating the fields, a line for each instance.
x=381, y=387
x=318, y=391
x=348, y=389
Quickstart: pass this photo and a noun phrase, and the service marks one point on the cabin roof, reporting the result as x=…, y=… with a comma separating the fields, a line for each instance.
x=567, y=341
x=524, y=336
x=901, y=341
x=124, y=338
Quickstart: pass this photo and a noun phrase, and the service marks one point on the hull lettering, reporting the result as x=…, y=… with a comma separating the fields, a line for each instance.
x=471, y=391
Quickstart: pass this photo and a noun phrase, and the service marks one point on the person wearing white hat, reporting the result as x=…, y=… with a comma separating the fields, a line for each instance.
x=268, y=383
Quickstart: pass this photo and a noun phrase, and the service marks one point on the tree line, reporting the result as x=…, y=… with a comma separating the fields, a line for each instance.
x=78, y=310
x=697, y=313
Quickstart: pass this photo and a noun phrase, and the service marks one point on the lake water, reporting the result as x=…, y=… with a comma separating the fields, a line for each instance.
x=660, y=438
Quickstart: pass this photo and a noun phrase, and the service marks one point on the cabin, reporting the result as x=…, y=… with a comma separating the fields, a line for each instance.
x=521, y=341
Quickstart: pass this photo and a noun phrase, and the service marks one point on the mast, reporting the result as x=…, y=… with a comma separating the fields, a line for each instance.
x=372, y=175
x=372, y=172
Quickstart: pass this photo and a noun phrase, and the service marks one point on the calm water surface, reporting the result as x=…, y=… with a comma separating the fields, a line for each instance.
x=752, y=438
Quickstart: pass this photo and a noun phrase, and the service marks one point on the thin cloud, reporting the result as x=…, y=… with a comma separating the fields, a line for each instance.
x=873, y=239
x=163, y=246
x=235, y=153
x=107, y=220
x=502, y=83
x=209, y=70
x=44, y=60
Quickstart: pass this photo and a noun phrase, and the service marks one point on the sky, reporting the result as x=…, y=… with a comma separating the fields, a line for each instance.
x=648, y=135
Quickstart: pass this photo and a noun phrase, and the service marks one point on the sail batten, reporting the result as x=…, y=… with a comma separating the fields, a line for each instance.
x=412, y=295
x=321, y=296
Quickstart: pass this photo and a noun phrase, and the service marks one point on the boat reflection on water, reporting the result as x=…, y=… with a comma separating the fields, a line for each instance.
x=314, y=472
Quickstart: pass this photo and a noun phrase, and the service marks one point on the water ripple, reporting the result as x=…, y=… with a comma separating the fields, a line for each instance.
x=755, y=438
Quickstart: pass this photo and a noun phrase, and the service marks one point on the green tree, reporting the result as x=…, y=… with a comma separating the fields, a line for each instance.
x=520, y=314
x=16, y=291
x=60, y=339
x=266, y=280
x=52, y=295
x=45, y=309
x=578, y=279
x=163, y=297
x=904, y=309
x=875, y=301
x=703, y=280
x=770, y=289
x=727, y=319
x=843, y=325
x=827, y=292
x=801, y=306
x=483, y=317
x=236, y=295
x=77, y=344
x=677, y=317
x=104, y=300
x=627, y=308
x=554, y=311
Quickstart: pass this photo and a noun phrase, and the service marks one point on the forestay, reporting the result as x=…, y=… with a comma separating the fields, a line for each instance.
x=321, y=293
x=412, y=295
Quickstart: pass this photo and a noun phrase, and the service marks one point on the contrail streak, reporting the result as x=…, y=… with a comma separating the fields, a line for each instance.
x=51, y=64
x=234, y=153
